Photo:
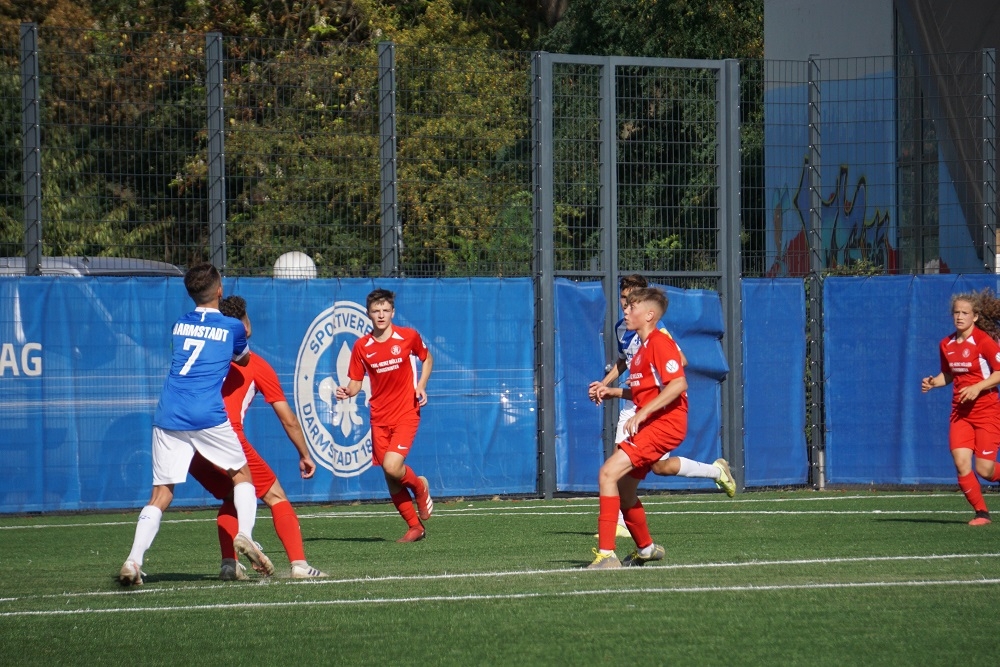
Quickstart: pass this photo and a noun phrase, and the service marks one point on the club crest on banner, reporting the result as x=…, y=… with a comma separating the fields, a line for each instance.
x=338, y=432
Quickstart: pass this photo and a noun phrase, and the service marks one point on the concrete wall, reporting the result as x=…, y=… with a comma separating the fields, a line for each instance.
x=794, y=29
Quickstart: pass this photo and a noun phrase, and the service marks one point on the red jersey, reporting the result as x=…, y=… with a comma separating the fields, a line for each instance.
x=391, y=369
x=243, y=383
x=655, y=363
x=968, y=362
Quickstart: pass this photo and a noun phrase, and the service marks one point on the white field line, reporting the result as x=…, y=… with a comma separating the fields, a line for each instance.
x=484, y=512
x=555, y=508
x=512, y=596
x=151, y=590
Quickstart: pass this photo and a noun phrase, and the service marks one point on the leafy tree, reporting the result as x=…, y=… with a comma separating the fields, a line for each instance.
x=303, y=150
x=461, y=109
x=667, y=125
x=661, y=29
x=125, y=138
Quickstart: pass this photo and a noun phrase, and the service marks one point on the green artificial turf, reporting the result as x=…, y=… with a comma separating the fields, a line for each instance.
x=776, y=578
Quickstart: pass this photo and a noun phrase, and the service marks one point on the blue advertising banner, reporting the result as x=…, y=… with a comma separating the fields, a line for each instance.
x=83, y=360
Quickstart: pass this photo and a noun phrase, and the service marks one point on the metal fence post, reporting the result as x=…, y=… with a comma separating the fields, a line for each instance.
x=543, y=269
x=609, y=231
x=31, y=149
x=989, y=160
x=216, y=149
x=815, y=283
x=731, y=264
x=392, y=236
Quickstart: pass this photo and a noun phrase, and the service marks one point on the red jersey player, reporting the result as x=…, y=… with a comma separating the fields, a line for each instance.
x=658, y=388
x=242, y=384
x=970, y=358
x=387, y=356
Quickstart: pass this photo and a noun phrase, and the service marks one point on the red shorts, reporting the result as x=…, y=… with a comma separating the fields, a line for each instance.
x=396, y=438
x=218, y=483
x=981, y=435
x=650, y=443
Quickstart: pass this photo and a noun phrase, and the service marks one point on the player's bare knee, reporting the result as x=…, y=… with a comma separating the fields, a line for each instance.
x=607, y=475
x=274, y=495
x=665, y=467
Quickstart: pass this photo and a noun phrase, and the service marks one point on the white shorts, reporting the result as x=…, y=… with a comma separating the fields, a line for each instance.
x=627, y=413
x=173, y=451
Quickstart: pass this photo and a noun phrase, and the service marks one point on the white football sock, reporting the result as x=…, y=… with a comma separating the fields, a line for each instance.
x=691, y=468
x=145, y=532
x=647, y=551
x=245, y=499
x=621, y=519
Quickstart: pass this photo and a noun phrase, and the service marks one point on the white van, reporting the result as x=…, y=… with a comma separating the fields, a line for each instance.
x=91, y=266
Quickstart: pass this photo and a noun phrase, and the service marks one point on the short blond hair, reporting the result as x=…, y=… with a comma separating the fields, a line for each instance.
x=653, y=295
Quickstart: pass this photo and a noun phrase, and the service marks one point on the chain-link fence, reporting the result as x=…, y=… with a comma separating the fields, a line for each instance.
x=417, y=161
x=179, y=148
x=869, y=165
x=11, y=186
x=641, y=197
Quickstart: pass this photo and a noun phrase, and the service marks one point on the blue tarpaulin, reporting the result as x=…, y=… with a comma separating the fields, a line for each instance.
x=881, y=337
x=694, y=318
x=774, y=399
x=83, y=361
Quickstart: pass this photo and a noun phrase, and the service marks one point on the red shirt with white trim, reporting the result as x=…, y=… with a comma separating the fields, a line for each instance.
x=655, y=363
x=243, y=383
x=968, y=362
x=391, y=368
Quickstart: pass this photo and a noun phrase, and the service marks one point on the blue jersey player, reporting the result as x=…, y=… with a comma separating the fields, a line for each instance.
x=192, y=417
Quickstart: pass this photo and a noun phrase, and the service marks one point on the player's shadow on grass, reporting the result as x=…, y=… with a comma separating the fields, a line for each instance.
x=941, y=521
x=169, y=577
x=344, y=539
x=588, y=533
x=568, y=563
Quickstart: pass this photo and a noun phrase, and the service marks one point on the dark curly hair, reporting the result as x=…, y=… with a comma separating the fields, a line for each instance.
x=233, y=306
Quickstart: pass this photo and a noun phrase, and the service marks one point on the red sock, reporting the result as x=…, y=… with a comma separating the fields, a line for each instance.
x=635, y=521
x=996, y=474
x=973, y=493
x=410, y=480
x=404, y=505
x=228, y=526
x=607, y=522
x=286, y=525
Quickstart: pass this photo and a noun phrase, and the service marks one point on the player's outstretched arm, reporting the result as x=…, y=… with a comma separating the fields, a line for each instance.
x=351, y=390
x=613, y=374
x=425, y=374
x=930, y=382
x=599, y=392
x=307, y=467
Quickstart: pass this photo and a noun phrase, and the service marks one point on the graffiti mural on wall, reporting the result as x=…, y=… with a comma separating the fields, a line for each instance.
x=851, y=231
